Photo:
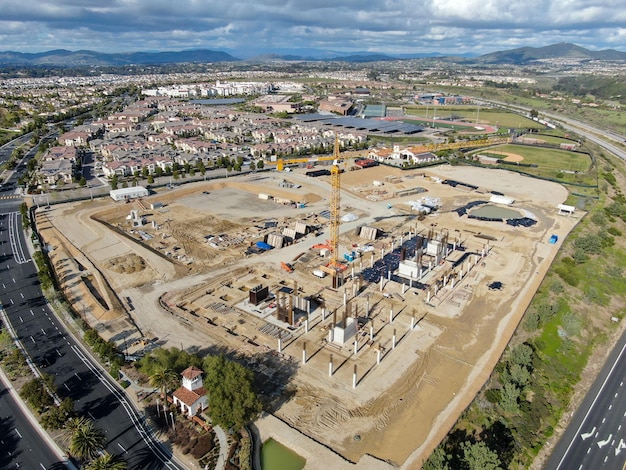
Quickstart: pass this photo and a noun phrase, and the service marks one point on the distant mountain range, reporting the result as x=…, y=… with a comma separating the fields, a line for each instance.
x=65, y=58
x=62, y=57
x=563, y=50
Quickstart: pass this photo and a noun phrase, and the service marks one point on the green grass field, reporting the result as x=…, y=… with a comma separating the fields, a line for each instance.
x=551, y=163
x=494, y=117
x=549, y=139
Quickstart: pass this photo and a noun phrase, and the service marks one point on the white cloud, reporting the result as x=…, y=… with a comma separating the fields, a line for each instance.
x=376, y=25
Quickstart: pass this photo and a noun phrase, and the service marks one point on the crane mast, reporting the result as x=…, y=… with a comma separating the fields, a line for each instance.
x=335, y=200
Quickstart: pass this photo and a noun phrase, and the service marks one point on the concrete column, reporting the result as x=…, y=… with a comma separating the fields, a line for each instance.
x=280, y=344
x=445, y=280
x=401, y=240
x=381, y=283
x=382, y=253
x=304, y=353
x=323, y=313
x=356, y=346
x=390, y=315
x=306, y=325
x=354, y=377
x=367, y=307
x=360, y=265
x=428, y=296
x=452, y=283
x=345, y=297
x=353, y=272
x=378, y=356
x=393, y=340
x=330, y=333
x=403, y=288
x=411, y=282
x=330, y=366
x=372, y=331
x=419, y=267
x=354, y=289
x=430, y=265
x=372, y=260
x=412, y=322
x=389, y=274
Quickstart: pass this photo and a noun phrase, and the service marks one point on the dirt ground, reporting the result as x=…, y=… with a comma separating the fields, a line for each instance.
x=183, y=277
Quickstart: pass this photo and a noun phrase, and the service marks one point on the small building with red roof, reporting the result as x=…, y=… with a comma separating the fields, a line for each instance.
x=191, y=397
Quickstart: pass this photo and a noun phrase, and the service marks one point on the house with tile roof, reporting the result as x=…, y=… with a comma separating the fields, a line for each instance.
x=191, y=397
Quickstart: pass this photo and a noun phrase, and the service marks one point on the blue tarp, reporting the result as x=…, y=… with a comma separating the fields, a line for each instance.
x=264, y=246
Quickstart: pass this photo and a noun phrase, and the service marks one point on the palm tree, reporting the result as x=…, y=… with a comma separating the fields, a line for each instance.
x=107, y=461
x=163, y=379
x=86, y=441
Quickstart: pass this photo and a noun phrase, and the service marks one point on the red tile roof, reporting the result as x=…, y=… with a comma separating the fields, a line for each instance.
x=191, y=373
x=189, y=397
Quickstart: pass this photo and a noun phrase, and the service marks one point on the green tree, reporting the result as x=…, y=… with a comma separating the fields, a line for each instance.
x=163, y=379
x=479, y=457
x=438, y=460
x=232, y=400
x=201, y=168
x=82, y=181
x=107, y=461
x=260, y=164
x=86, y=440
x=36, y=394
x=114, y=182
x=150, y=179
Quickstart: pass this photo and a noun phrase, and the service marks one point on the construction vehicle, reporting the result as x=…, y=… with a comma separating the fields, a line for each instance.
x=286, y=267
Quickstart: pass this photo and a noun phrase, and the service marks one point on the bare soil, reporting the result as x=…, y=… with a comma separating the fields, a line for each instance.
x=177, y=287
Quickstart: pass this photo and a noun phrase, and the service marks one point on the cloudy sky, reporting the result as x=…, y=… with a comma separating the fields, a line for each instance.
x=247, y=27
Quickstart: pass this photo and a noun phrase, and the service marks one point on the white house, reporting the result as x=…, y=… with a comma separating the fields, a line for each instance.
x=191, y=397
x=132, y=192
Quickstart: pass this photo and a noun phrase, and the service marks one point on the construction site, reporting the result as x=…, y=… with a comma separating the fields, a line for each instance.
x=371, y=304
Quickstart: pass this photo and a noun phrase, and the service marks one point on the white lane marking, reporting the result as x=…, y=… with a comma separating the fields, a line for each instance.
x=620, y=446
x=22, y=295
x=121, y=447
x=17, y=432
x=587, y=435
x=601, y=444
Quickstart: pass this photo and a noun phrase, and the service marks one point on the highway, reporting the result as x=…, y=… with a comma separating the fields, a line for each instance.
x=596, y=435
x=54, y=351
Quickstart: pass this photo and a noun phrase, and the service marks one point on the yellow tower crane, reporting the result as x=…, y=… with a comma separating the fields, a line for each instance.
x=335, y=201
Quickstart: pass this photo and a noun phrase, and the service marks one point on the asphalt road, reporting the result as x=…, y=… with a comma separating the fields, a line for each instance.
x=21, y=446
x=54, y=351
x=596, y=436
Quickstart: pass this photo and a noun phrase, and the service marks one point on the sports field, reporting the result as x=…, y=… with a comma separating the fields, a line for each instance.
x=569, y=167
x=495, y=117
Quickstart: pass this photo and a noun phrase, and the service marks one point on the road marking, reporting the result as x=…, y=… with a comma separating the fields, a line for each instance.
x=615, y=395
x=78, y=376
x=21, y=319
x=121, y=447
x=12, y=277
x=601, y=444
x=587, y=435
x=620, y=446
x=11, y=301
x=66, y=386
x=22, y=295
x=31, y=312
x=17, y=432
x=58, y=352
x=32, y=339
x=43, y=331
x=603, y=420
x=610, y=406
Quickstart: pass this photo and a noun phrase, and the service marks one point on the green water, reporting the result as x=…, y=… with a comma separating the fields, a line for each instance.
x=495, y=212
x=275, y=456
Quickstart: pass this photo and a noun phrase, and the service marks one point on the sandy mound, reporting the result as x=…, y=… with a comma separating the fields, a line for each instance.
x=126, y=264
